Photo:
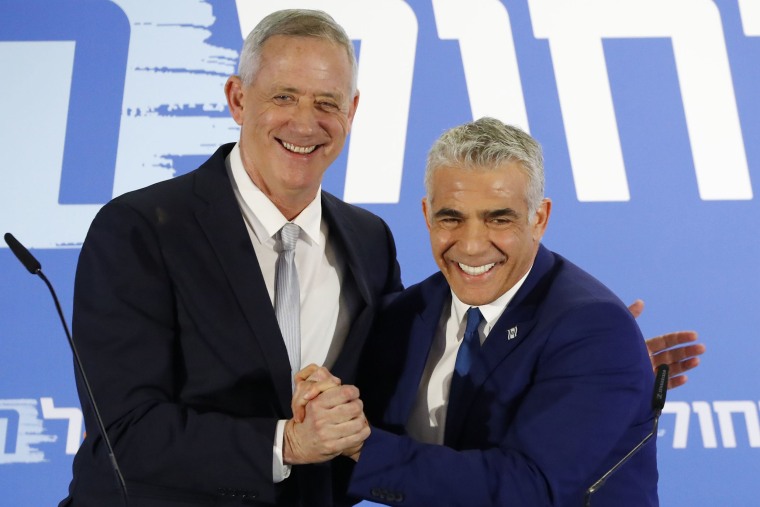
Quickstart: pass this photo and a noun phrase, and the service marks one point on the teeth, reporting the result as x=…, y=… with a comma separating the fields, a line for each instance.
x=303, y=150
x=474, y=271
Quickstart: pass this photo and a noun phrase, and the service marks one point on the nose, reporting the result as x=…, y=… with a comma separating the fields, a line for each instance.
x=474, y=239
x=304, y=121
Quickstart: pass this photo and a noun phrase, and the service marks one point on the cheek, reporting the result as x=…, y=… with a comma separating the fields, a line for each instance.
x=338, y=127
x=440, y=241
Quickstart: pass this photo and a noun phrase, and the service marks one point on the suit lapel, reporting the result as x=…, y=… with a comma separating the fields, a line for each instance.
x=511, y=330
x=344, y=237
x=222, y=223
x=422, y=333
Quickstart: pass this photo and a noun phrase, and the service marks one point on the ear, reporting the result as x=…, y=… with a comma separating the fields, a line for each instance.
x=425, y=212
x=233, y=90
x=352, y=109
x=541, y=219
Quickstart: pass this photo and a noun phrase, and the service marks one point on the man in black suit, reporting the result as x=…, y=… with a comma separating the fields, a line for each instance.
x=177, y=283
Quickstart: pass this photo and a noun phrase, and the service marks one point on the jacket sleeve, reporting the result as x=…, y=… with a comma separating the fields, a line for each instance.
x=128, y=319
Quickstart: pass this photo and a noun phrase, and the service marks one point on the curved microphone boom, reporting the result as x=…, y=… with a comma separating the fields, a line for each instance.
x=658, y=403
x=35, y=268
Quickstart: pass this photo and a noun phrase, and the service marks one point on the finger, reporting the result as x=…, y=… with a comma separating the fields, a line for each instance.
x=312, y=389
x=299, y=400
x=344, y=436
x=336, y=396
x=323, y=374
x=683, y=366
x=636, y=308
x=678, y=381
x=328, y=418
x=345, y=412
x=305, y=392
x=674, y=356
x=315, y=373
x=306, y=371
x=666, y=341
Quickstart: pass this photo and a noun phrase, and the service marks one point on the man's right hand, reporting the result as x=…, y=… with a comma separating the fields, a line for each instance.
x=328, y=419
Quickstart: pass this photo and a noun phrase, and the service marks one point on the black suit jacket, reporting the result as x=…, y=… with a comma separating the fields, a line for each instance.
x=182, y=347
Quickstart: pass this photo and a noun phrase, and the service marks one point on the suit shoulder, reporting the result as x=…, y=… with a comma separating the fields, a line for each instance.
x=350, y=211
x=417, y=297
x=576, y=285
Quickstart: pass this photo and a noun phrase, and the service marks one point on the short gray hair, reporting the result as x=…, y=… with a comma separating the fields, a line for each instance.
x=488, y=144
x=293, y=23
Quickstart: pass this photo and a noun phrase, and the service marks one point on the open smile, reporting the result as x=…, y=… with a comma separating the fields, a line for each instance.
x=300, y=150
x=476, y=270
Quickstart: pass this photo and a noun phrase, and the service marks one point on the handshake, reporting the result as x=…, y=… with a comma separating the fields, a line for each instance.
x=328, y=419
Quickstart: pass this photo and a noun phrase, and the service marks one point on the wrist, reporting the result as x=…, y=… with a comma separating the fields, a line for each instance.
x=288, y=441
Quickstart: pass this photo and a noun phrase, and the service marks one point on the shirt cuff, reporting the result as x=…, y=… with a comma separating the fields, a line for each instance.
x=280, y=471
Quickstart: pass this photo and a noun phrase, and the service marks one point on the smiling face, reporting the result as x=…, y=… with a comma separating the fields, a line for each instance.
x=482, y=235
x=294, y=117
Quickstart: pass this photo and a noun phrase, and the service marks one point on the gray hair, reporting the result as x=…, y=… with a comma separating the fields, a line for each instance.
x=293, y=23
x=488, y=144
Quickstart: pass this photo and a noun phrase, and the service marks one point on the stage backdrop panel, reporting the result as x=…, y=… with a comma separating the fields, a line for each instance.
x=648, y=111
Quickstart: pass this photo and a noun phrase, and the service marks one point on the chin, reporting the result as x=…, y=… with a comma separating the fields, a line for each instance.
x=471, y=299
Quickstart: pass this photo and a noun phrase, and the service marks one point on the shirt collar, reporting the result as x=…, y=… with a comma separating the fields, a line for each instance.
x=268, y=219
x=491, y=311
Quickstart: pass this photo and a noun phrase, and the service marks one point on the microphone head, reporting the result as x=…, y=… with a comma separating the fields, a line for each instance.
x=660, y=387
x=22, y=254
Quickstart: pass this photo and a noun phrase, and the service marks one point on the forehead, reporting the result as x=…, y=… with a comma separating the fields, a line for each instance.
x=304, y=65
x=279, y=51
x=457, y=186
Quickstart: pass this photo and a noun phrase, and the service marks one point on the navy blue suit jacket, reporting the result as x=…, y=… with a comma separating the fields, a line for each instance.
x=182, y=347
x=559, y=393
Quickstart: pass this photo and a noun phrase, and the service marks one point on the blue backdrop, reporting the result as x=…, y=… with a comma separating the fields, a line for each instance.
x=648, y=111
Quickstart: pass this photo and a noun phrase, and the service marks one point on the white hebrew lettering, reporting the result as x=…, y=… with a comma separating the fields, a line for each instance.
x=681, y=426
x=575, y=30
x=483, y=30
x=29, y=432
x=724, y=409
x=706, y=425
x=750, y=12
x=73, y=415
x=388, y=34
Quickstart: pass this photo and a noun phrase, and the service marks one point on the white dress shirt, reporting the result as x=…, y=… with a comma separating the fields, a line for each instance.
x=428, y=418
x=326, y=311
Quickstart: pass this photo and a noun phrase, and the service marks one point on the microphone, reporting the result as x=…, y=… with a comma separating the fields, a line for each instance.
x=35, y=268
x=658, y=402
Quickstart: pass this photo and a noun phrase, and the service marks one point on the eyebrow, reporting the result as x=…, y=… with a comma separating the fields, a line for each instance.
x=448, y=213
x=338, y=96
x=486, y=214
x=498, y=213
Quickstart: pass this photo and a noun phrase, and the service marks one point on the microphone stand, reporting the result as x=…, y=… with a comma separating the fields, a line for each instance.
x=34, y=267
x=658, y=402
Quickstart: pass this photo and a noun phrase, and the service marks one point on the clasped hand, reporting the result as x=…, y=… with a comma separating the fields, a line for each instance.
x=328, y=419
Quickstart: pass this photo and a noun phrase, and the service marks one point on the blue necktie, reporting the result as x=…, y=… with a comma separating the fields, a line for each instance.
x=470, y=345
x=468, y=351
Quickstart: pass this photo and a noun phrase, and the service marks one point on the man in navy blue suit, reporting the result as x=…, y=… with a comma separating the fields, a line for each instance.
x=511, y=377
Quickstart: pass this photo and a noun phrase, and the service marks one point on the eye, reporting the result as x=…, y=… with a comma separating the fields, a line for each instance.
x=449, y=222
x=328, y=106
x=283, y=99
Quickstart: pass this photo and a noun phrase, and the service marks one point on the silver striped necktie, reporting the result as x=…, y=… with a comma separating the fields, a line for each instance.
x=287, y=304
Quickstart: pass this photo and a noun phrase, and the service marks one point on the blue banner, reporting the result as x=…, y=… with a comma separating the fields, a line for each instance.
x=648, y=112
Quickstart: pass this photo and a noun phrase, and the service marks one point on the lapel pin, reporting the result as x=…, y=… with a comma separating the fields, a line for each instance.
x=512, y=333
